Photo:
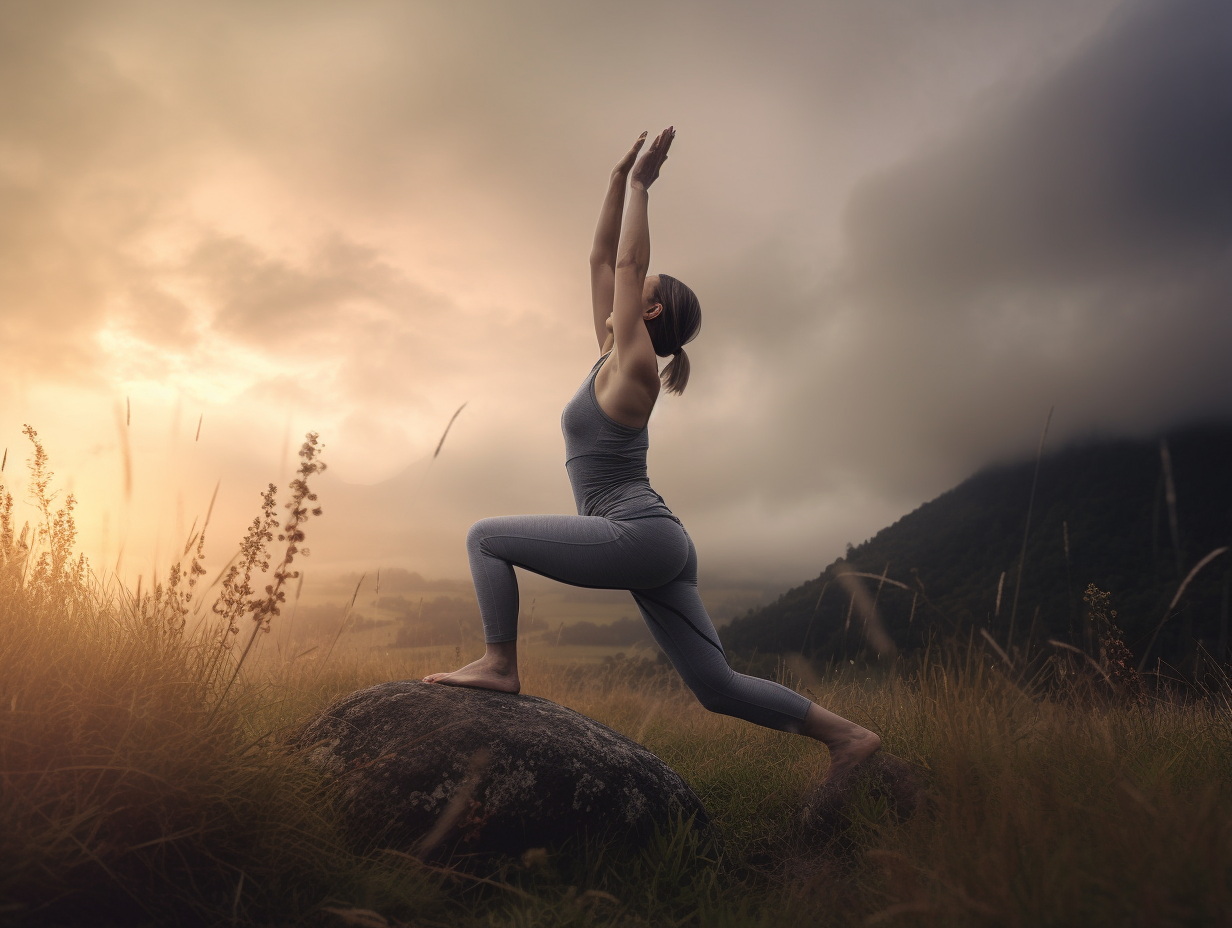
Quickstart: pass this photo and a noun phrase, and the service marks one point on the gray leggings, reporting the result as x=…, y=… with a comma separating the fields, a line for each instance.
x=652, y=558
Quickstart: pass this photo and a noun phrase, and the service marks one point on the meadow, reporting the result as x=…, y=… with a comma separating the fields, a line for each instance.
x=146, y=779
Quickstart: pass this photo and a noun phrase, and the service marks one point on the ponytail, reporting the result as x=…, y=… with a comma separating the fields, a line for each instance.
x=675, y=376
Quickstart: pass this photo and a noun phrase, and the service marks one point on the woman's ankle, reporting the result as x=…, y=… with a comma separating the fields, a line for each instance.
x=832, y=729
x=502, y=656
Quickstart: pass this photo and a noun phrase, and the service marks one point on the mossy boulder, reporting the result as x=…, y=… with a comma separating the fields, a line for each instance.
x=444, y=771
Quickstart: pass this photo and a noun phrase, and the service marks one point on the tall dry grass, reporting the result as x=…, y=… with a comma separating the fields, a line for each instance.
x=138, y=786
x=145, y=781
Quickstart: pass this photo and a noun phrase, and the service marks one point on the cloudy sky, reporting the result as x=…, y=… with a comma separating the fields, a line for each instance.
x=913, y=229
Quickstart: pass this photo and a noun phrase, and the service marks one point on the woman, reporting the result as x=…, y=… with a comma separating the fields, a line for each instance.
x=624, y=536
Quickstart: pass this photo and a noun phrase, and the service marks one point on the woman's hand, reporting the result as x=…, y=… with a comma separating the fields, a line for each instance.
x=621, y=171
x=646, y=171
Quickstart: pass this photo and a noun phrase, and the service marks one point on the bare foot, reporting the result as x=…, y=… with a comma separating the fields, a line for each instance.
x=847, y=753
x=849, y=743
x=487, y=673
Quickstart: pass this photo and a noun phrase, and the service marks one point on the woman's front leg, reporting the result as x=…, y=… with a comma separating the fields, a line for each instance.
x=496, y=670
x=587, y=551
x=496, y=588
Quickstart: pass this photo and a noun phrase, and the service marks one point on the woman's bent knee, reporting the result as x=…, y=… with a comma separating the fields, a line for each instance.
x=478, y=532
x=713, y=702
x=714, y=690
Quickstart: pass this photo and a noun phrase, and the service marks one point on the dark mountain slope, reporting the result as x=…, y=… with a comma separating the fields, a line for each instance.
x=1108, y=497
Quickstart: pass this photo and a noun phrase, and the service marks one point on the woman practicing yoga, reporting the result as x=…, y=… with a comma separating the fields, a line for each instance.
x=624, y=537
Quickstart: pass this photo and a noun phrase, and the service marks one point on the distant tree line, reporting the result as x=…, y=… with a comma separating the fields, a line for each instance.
x=442, y=620
x=1132, y=517
x=624, y=632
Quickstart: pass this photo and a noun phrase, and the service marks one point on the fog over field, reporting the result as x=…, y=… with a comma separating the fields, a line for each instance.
x=913, y=229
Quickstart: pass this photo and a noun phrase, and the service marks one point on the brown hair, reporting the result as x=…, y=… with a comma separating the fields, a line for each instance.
x=677, y=325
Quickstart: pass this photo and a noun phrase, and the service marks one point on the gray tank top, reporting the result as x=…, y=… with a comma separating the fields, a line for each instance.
x=606, y=460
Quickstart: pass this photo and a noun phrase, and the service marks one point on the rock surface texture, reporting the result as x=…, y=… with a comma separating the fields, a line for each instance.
x=883, y=787
x=444, y=771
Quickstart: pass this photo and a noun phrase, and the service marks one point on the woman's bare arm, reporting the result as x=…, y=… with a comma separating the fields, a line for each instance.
x=607, y=235
x=633, y=384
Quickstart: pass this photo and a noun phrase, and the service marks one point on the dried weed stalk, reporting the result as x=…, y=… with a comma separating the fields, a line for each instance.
x=54, y=571
x=237, y=597
x=1115, y=658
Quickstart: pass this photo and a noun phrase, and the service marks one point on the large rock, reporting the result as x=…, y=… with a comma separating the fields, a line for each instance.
x=438, y=770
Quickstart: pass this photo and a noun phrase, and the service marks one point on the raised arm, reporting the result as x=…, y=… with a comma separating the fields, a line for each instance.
x=607, y=235
x=634, y=353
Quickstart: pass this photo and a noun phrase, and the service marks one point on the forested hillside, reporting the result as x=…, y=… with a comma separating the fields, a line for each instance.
x=1132, y=517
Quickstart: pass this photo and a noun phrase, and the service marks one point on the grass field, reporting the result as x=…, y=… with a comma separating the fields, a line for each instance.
x=125, y=792
x=144, y=781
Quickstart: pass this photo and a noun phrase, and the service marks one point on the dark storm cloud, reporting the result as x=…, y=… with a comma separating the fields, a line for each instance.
x=1072, y=244
x=1117, y=167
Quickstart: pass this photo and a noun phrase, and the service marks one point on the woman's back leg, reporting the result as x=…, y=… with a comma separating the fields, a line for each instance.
x=680, y=624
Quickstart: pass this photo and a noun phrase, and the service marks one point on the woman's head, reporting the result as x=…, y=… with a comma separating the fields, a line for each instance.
x=673, y=327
